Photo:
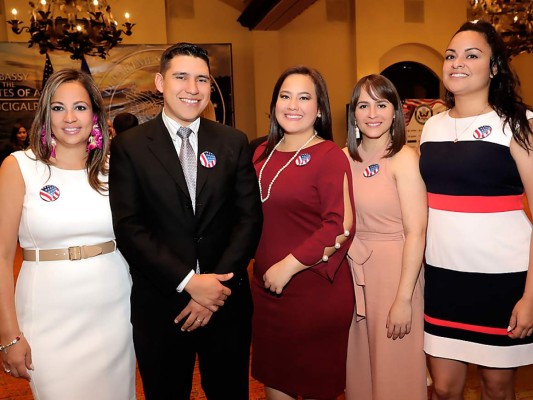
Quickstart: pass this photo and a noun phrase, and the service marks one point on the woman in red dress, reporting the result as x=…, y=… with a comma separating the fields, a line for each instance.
x=302, y=286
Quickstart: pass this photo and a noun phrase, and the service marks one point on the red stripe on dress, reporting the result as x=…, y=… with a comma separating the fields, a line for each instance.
x=466, y=327
x=475, y=204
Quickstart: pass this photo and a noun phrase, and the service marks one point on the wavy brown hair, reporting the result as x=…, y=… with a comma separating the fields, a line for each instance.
x=96, y=159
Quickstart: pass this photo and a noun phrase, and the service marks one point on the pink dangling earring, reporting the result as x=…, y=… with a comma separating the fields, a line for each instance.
x=43, y=136
x=95, y=140
x=53, y=142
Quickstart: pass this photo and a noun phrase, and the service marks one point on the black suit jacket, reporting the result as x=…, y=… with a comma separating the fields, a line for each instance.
x=155, y=226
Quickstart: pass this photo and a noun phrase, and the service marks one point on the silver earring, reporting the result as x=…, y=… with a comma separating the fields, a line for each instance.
x=357, y=132
x=319, y=115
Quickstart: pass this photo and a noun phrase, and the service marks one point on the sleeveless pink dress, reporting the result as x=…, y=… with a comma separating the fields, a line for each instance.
x=380, y=368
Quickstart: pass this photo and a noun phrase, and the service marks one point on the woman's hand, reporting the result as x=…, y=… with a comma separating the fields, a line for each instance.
x=278, y=275
x=521, y=322
x=16, y=359
x=399, y=319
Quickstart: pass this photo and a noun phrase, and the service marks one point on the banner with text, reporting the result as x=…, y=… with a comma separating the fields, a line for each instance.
x=126, y=79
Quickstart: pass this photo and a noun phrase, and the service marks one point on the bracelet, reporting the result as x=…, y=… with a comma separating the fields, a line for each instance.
x=13, y=342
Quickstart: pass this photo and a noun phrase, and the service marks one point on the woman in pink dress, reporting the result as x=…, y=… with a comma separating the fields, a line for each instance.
x=302, y=288
x=385, y=357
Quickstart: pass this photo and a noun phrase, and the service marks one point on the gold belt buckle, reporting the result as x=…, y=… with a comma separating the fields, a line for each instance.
x=74, y=253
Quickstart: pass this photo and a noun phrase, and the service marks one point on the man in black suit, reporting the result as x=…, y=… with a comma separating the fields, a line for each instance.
x=187, y=253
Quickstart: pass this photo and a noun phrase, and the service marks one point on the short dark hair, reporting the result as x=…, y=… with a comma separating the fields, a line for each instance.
x=322, y=125
x=378, y=87
x=503, y=93
x=182, y=49
x=124, y=121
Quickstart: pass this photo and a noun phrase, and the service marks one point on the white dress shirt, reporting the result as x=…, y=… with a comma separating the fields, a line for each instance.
x=173, y=127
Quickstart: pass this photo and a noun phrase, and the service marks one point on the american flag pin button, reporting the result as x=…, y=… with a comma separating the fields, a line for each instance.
x=482, y=132
x=49, y=193
x=371, y=170
x=303, y=159
x=208, y=159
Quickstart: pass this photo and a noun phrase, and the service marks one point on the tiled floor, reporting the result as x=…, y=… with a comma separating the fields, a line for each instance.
x=16, y=389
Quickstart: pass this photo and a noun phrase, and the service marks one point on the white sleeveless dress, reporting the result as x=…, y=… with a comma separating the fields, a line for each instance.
x=74, y=314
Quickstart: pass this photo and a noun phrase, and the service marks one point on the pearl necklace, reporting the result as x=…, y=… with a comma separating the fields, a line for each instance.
x=263, y=199
x=469, y=125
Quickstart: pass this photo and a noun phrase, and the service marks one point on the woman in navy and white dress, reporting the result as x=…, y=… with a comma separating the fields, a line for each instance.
x=476, y=161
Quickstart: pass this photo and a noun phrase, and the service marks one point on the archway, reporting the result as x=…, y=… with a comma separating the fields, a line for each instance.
x=414, y=56
x=413, y=80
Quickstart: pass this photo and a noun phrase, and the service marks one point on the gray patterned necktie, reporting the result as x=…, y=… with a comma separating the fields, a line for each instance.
x=188, y=162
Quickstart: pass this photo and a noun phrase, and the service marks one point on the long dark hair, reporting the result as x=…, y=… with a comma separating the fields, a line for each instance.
x=13, y=140
x=503, y=96
x=96, y=159
x=378, y=88
x=322, y=125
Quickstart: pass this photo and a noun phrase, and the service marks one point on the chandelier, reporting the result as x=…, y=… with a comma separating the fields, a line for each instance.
x=513, y=19
x=79, y=27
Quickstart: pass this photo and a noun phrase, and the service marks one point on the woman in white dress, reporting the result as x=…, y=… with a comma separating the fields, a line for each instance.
x=67, y=328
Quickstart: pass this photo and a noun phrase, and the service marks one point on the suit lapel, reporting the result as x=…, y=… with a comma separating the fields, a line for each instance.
x=162, y=147
x=207, y=141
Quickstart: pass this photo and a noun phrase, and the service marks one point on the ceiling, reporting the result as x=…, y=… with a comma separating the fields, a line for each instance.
x=268, y=15
x=237, y=4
